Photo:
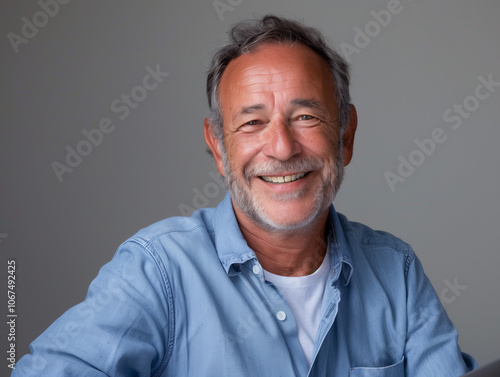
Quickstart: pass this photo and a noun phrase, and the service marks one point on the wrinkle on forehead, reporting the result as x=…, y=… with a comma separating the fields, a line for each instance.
x=276, y=74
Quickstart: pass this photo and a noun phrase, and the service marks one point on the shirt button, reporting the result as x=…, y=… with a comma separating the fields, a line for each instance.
x=281, y=315
x=256, y=269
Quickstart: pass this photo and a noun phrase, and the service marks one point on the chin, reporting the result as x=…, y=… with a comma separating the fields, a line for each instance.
x=289, y=218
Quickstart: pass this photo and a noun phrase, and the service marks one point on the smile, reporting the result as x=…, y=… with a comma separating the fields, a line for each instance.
x=283, y=179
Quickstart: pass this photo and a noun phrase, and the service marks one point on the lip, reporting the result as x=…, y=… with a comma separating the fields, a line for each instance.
x=279, y=179
x=285, y=186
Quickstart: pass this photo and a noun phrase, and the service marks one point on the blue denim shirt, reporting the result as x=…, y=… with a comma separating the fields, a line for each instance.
x=187, y=297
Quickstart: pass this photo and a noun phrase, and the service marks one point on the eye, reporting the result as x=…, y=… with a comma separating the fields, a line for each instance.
x=306, y=120
x=305, y=117
x=251, y=126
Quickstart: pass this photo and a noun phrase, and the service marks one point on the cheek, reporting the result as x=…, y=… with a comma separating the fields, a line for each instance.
x=331, y=134
x=241, y=150
x=321, y=142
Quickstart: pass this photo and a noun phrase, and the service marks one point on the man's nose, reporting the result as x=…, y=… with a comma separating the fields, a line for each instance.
x=281, y=143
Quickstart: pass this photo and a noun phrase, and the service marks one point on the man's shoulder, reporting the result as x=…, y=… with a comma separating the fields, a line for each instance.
x=369, y=239
x=177, y=226
x=376, y=249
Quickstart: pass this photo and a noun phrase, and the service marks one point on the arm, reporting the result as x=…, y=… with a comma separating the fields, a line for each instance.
x=121, y=329
x=431, y=346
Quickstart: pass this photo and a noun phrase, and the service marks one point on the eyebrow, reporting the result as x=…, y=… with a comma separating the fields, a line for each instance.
x=252, y=109
x=296, y=101
x=307, y=103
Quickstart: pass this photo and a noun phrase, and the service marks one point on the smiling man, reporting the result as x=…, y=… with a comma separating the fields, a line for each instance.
x=281, y=150
x=272, y=282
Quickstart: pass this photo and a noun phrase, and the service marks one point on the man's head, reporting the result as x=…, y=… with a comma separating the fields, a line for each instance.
x=280, y=110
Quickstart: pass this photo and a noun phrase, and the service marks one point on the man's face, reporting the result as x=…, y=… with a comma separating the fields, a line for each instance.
x=282, y=155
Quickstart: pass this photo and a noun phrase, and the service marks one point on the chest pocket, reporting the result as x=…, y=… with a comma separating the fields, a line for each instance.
x=394, y=370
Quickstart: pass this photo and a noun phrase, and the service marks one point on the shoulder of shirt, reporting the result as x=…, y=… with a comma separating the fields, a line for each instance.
x=200, y=219
x=371, y=239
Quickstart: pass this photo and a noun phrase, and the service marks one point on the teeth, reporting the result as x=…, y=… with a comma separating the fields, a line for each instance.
x=284, y=179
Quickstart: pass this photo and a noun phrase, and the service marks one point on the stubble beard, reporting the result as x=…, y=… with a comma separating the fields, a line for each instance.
x=253, y=208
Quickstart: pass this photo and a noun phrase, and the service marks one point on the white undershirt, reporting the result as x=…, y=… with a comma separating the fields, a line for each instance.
x=304, y=295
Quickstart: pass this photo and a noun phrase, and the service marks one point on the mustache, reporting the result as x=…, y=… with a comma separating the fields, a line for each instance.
x=277, y=167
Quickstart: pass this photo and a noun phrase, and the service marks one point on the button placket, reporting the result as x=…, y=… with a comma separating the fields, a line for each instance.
x=276, y=298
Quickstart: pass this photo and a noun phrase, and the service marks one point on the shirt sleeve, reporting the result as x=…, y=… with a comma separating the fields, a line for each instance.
x=122, y=327
x=432, y=340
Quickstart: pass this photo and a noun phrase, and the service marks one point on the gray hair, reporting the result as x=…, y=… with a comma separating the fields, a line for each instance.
x=247, y=36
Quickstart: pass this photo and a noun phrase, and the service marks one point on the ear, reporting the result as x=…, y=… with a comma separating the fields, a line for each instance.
x=348, y=137
x=213, y=144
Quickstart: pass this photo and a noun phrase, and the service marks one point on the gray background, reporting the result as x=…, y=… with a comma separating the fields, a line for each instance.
x=64, y=79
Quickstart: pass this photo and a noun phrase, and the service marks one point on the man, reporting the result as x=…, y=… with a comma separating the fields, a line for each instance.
x=272, y=282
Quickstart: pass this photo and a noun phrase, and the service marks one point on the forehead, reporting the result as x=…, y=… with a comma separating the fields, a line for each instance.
x=277, y=69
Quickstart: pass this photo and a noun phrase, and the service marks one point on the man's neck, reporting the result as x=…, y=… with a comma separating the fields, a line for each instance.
x=287, y=253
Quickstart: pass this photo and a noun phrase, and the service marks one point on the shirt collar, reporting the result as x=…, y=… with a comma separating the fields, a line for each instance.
x=340, y=254
x=233, y=249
